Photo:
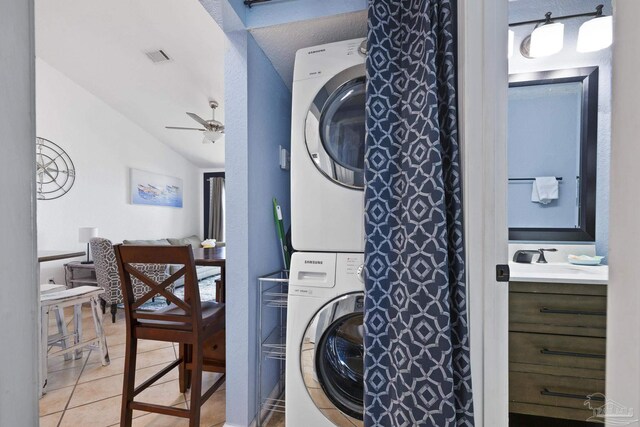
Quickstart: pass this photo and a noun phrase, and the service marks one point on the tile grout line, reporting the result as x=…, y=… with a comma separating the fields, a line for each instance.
x=105, y=398
x=115, y=375
x=74, y=387
x=115, y=358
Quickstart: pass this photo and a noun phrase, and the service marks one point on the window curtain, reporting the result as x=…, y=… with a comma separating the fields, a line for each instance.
x=417, y=366
x=216, y=209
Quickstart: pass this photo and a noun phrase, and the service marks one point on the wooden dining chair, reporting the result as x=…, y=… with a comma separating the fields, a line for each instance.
x=188, y=321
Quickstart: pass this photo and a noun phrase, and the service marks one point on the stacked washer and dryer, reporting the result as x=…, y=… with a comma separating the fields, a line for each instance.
x=324, y=368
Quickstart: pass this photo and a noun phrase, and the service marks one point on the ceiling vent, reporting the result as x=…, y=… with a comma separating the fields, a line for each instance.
x=158, y=56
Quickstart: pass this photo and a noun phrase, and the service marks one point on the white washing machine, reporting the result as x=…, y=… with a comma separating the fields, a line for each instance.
x=325, y=348
x=327, y=148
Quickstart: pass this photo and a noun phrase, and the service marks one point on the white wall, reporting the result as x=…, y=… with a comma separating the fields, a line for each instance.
x=18, y=304
x=103, y=144
x=623, y=316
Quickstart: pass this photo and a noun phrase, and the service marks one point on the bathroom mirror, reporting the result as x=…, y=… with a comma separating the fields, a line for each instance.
x=552, y=132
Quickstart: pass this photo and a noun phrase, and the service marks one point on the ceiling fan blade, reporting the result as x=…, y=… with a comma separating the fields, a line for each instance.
x=198, y=119
x=183, y=128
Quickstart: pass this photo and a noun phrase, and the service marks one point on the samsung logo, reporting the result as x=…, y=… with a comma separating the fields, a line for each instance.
x=307, y=261
x=311, y=52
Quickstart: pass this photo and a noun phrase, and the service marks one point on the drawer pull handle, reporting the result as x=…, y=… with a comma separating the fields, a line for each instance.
x=546, y=310
x=571, y=354
x=547, y=392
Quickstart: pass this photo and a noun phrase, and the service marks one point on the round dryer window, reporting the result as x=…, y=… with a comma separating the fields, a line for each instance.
x=335, y=128
x=331, y=358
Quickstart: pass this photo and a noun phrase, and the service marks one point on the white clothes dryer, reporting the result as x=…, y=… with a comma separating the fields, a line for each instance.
x=327, y=148
x=325, y=347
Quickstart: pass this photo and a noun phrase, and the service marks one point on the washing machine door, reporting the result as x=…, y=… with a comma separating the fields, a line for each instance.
x=331, y=358
x=335, y=128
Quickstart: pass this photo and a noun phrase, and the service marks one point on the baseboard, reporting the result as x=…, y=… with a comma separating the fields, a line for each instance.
x=274, y=394
x=253, y=424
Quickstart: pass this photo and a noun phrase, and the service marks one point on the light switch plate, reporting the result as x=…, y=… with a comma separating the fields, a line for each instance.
x=285, y=158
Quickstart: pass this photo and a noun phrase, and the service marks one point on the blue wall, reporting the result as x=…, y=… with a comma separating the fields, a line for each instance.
x=569, y=58
x=237, y=205
x=269, y=126
x=277, y=12
x=283, y=11
x=258, y=120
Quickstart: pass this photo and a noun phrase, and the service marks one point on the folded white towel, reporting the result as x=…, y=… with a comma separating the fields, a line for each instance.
x=544, y=190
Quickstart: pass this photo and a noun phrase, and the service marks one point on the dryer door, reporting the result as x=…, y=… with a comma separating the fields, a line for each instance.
x=331, y=357
x=335, y=128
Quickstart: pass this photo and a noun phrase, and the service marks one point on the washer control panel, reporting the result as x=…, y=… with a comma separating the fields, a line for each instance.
x=322, y=274
x=350, y=269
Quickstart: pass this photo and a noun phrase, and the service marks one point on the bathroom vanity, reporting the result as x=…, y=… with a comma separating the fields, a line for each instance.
x=557, y=340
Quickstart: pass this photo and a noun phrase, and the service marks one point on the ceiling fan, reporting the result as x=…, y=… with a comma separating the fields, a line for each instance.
x=213, y=129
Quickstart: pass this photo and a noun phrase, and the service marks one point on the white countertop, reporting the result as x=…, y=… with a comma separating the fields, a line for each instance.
x=559, y=273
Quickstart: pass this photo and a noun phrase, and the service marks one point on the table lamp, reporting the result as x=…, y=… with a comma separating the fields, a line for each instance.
x=85, y=234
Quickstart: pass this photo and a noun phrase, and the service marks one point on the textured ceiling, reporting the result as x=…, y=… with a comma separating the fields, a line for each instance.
x=281, y=42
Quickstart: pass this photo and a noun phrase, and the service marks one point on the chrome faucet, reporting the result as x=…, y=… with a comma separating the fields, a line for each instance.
x=526, y=256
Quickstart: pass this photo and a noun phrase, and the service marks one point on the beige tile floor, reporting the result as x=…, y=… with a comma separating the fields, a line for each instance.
x=82, y=392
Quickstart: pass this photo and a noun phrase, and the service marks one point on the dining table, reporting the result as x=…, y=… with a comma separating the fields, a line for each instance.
x=213, y=257
x=55, y=255
x=215, y=350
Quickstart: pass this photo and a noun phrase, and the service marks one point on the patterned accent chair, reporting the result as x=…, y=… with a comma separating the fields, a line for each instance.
x=104, y=258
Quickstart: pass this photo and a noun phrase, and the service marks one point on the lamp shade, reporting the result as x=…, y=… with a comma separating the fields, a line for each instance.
x=595, y=34
x=85, y=234
x=547, y=39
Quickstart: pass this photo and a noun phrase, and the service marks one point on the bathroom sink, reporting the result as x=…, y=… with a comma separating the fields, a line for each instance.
x=559, y=268
x=559, y=273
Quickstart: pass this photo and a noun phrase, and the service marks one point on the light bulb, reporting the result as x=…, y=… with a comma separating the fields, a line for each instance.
x=510, y=44
x=211, y=136
x=547, y=39
x=595, y=34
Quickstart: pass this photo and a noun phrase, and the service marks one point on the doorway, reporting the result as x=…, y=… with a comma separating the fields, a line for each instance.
x=558, y=139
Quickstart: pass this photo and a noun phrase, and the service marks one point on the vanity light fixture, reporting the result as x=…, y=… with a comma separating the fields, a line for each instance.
x=547, y=38
x=595, y=34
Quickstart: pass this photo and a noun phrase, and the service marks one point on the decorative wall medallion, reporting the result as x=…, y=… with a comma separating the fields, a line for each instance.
x=55, y=173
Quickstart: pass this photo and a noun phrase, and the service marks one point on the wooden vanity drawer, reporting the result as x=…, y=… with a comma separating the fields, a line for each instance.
x=558, y=313
x=558, y=351
x=553, y=391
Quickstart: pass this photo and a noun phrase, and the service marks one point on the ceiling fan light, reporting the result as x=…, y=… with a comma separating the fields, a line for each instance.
x=547, y=40
x=211, y=136
x=510, y=44
x=595, y=34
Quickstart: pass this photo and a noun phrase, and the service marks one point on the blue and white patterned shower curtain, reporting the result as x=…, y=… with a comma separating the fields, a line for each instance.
x=417, y=366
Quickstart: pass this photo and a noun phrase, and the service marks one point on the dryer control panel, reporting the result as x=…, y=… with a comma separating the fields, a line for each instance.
x=320, y=61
